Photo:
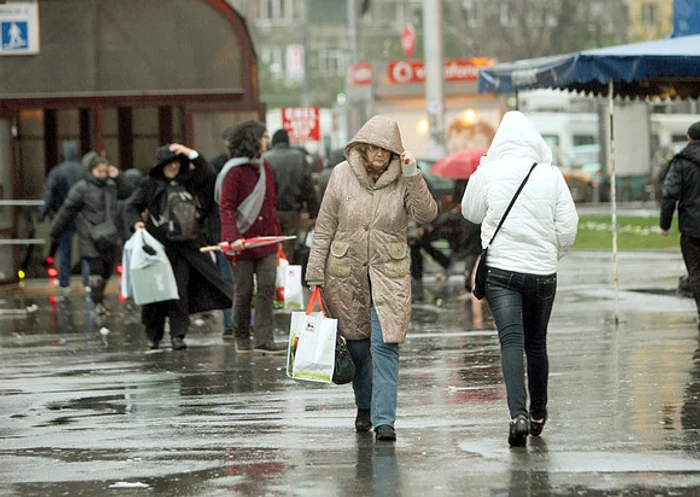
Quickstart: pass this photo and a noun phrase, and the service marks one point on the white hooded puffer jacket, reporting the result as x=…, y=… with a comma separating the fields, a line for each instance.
x=543, y=222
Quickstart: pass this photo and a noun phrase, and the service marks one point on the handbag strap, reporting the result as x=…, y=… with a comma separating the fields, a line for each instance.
x=510, y=206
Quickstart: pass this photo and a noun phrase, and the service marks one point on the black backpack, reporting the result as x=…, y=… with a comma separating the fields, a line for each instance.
x=181, y=214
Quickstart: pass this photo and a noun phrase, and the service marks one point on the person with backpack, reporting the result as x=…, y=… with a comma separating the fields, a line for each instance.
x=682, y=188
x=91, y=205
x=170, y=198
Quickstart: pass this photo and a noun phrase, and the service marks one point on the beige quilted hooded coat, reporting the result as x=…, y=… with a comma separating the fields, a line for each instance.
x=360, y=237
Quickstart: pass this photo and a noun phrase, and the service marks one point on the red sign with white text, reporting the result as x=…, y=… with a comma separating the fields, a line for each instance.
x=456, y=70
x=360, y=74
x=302, y=123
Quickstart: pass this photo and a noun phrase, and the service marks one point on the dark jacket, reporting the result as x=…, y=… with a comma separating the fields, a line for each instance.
x=237, y=185
x=682, y=186
x=206, y=290
x=86, y=205
x=292, y=179
x=60, y=180
x=152, y=193
x=212, y=223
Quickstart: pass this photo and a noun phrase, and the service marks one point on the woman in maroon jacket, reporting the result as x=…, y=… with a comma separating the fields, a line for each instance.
x=245, y=190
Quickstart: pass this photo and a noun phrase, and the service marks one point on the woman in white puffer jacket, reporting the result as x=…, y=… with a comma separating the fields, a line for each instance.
x=522, y=260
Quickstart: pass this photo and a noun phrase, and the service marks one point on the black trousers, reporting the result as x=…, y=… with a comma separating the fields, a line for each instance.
x=690, y=248
x=101, y=269
x=178, y=311
x=425, y=243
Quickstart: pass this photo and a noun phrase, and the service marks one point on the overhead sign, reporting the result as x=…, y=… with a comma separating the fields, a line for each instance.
x=455, y=70
x=302, y=123
x=360, y=74
x=19, y=28
x=408, y=40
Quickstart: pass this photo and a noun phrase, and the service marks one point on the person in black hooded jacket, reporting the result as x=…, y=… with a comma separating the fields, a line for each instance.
x=91, y=201
x=682, y=187
x=199, y=285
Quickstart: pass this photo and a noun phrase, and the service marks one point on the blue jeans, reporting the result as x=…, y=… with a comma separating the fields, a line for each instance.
x=224, y=266
x=65, y=242
x=376, y=374
x=521, y=305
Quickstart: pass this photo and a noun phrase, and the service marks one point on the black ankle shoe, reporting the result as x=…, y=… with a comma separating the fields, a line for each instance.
x=178, y=343
x=362, y=420
x=517, y=435
x=536, y=427
x=385, y=433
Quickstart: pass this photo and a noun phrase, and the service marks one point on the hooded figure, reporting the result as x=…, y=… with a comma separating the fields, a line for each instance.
x=522, y=260
x=91, y=202
x=200, y=287
x=360, y=256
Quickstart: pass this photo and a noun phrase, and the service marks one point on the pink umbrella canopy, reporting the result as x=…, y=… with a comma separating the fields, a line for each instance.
x=458, y=165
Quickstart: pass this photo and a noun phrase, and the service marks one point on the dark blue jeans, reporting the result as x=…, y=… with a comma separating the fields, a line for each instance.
x=65, y=242
x=521, y=305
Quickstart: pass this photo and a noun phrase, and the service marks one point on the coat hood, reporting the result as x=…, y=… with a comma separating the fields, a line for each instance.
x=380, y=131
x=517, y=138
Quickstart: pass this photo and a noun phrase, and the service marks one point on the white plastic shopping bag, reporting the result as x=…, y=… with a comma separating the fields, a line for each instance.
x=127, y=290
x=152, y=276
x=312, y=335
x=288, y=290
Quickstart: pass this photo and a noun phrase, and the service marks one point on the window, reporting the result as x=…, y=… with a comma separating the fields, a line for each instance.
x=474, y=10
x=584, y=140
x=505, y=15
x=331, y=63
x=278, y=11
x=272, y=58
x=649, y=14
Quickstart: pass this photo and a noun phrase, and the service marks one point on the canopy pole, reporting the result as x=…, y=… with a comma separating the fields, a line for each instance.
x=613, y=199
x=517, y=100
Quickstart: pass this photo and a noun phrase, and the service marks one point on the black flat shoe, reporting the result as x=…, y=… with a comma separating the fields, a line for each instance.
x=362, y=420
x=517, y=435
x=536, y=427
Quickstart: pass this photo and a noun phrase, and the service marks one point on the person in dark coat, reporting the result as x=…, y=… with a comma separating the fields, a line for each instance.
x=200, y=287
x=59, y=181
x=335, y=157
x=213, y=231
x=131, y=179
x=91, y=201
x=682, y=187
x=295, y=189
x=245, y=190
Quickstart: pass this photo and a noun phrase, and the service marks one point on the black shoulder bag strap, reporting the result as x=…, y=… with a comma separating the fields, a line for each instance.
x=510, y=206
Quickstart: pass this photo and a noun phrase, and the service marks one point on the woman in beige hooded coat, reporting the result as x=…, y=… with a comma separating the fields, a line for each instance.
x=360, y=257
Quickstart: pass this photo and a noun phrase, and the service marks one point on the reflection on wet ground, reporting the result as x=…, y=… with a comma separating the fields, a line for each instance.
x=89, y=412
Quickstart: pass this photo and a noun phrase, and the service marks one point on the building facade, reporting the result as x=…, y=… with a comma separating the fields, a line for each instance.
x=649, y=19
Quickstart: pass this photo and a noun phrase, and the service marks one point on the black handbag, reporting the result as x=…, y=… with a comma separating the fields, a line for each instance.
x=105, y=235
x=344, y=370
x=481, y=269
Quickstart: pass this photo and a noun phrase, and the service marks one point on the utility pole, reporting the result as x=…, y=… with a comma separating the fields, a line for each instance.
x=434, y=77
x=305, y=93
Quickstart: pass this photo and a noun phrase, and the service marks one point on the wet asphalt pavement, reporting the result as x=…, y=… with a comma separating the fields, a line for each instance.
x=84, y=412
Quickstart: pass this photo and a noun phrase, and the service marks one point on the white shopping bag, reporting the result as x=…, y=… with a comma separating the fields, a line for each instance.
x=311, y=353
x=127, y=290
x=293, y=297
x=288, y=290
x=152, y=276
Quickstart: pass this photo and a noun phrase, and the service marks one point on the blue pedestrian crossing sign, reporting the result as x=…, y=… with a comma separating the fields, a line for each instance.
x=19, y=28
x=14, y=35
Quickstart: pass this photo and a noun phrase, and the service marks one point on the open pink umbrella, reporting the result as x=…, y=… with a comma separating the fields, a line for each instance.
x=460, y=164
